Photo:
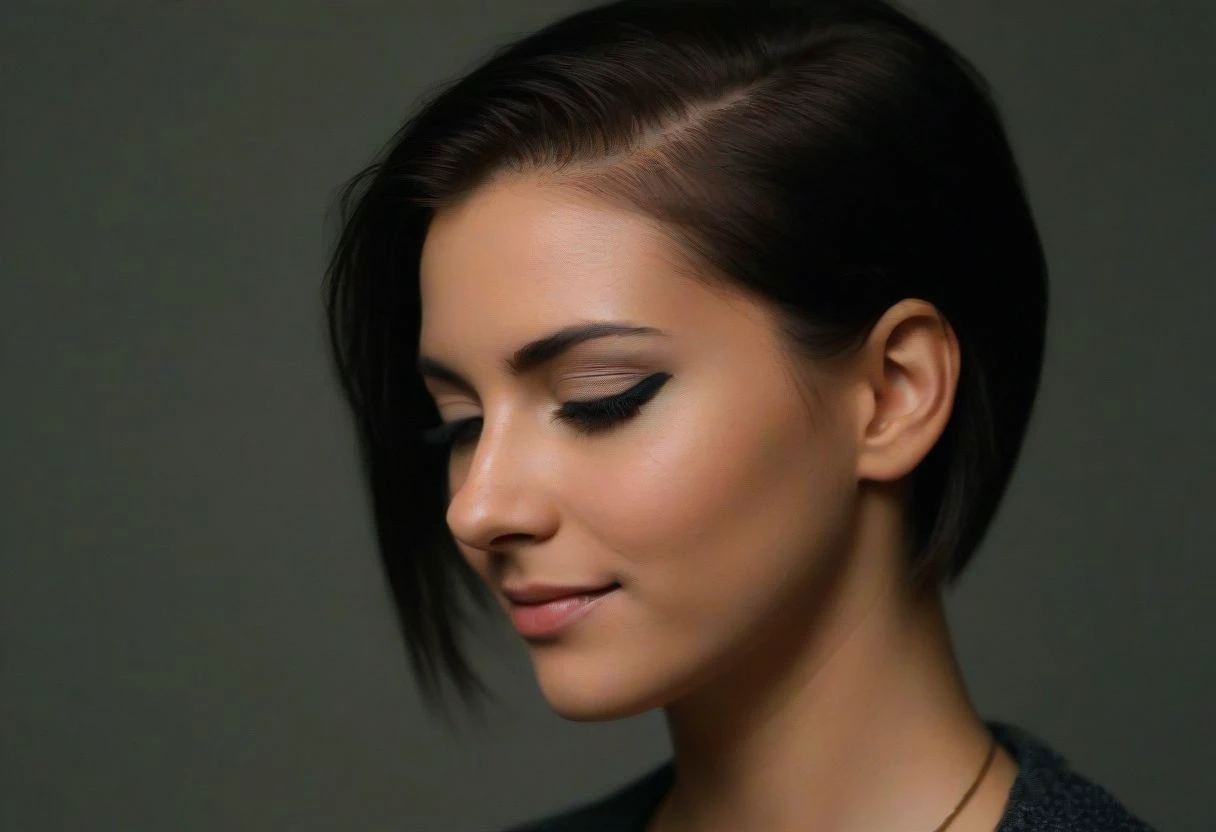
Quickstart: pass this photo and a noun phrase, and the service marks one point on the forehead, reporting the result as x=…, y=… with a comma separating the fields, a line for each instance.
x=518, y=259
x=536, y=249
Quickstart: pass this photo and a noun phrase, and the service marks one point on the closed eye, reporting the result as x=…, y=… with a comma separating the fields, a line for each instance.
x=587, y=416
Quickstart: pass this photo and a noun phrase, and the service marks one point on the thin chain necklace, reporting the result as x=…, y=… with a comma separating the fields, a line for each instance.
x=978, y=779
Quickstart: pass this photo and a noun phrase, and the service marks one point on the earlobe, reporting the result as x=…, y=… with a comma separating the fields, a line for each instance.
x=912, y=371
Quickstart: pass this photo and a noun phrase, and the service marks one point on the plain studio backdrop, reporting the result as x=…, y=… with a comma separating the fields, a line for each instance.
x=194, y=631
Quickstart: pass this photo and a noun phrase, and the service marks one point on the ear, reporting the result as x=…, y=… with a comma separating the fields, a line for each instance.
x=909, y=370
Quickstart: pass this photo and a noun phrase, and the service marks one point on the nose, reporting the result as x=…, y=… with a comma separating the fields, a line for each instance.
x=501, y=494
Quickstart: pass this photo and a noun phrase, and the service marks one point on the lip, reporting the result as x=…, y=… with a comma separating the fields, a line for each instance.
x=540, y=593
x=548, y=618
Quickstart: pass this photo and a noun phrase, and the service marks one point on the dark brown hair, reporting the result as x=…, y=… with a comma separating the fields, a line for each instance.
x=830, y=157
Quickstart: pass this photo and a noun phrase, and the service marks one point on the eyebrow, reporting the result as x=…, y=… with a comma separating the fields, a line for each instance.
x=542, y=350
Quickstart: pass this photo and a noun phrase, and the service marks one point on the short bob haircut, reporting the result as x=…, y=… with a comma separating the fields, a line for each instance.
x=830, y=157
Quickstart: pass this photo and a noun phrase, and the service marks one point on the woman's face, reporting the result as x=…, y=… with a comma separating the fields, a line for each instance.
x=720, y=507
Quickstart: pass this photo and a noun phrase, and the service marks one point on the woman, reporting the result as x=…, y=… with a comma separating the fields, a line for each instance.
x=702, y=338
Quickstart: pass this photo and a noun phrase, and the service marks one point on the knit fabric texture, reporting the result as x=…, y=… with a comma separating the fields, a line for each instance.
x=1047, y=796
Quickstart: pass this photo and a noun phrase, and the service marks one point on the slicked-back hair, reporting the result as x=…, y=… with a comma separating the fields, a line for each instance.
x=830, y=157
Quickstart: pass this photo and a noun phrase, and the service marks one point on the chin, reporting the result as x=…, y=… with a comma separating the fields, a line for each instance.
x=580, y=692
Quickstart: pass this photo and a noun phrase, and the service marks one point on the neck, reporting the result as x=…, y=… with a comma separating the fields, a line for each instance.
x=856, y=720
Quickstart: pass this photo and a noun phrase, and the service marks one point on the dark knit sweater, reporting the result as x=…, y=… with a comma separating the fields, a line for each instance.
x=1047, y=796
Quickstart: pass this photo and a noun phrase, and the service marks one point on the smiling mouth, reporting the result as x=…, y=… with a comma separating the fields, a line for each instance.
x=548, y=618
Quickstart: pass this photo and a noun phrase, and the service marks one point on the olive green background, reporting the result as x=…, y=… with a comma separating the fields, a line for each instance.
x=194, y=634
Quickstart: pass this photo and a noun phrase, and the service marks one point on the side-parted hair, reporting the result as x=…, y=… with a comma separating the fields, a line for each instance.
x=830, y=157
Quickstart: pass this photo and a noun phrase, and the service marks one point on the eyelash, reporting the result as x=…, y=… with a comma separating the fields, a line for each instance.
x=588, y=417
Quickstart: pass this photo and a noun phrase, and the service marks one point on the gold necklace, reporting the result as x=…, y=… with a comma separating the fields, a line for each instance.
x=975, y=785
x=978, y=779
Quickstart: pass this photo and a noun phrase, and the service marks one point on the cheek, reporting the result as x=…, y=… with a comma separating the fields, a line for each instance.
x=715, y=520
